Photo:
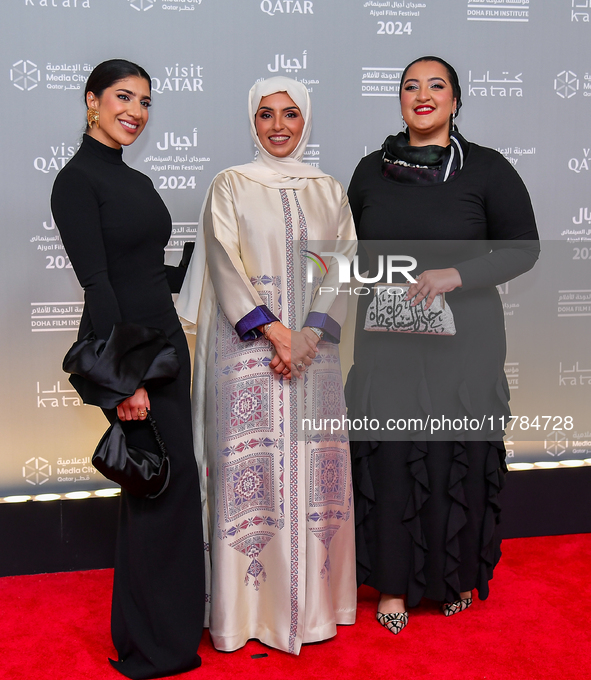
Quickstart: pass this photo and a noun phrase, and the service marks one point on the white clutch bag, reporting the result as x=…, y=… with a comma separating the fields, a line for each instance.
x=389, y=311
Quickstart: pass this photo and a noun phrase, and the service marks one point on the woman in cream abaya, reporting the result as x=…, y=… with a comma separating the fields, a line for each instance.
x=278, y=504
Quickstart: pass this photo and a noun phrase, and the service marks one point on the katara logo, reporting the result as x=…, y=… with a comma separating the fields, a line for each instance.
x=142, y=5
x=25, y=75
x=36, y=471
x=566, y=84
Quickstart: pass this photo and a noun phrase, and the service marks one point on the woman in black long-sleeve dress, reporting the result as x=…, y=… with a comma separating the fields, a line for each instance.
x=114, y=227
x=426, y=507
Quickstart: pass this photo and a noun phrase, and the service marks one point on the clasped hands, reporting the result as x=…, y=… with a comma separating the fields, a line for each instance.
x=294, y=350
x=134, y=407
x=431, y=283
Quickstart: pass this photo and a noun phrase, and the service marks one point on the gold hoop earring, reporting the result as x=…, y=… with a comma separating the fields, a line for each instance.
x=92, y=116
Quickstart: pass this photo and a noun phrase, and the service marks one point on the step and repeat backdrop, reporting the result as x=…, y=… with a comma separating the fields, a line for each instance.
x=525, y=70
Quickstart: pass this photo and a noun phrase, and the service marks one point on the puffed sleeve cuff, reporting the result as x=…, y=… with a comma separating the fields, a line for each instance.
x=105, y=372
x=247, y=326
x=332, y=330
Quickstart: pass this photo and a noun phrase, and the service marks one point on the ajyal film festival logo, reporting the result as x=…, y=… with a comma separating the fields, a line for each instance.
x=36, y=471
x=566, y=84
x=25, y=75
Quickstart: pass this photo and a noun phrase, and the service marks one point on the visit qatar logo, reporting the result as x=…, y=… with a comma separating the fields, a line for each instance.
x=142, y=5
x=566, y=84
x=25, y=75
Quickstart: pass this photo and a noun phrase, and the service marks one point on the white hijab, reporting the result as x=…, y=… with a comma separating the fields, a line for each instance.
x=269, y=170
x=272, y=171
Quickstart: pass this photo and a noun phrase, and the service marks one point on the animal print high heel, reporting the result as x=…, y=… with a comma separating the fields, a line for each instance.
x=451, y=608
x=394, y=621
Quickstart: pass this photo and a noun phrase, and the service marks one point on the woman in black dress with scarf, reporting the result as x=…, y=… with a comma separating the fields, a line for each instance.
x=114, y=227
x=427, y=507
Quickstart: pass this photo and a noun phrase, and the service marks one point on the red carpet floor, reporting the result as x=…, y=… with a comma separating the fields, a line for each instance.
x=535, y=624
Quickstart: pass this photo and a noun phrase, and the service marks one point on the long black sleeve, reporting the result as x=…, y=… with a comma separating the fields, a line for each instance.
x=511, y=230
x=485, y=210
x=115, y=226
x=75, y=208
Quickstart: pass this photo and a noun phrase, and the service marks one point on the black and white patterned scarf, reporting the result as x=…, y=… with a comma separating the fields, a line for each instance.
x=422, y=164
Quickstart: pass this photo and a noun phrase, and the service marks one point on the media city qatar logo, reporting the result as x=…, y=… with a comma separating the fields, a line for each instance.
x=36, y=471
x=142, y=5
x=556, y=444
x=387, y=264
x=566, y=84
x=25, y=75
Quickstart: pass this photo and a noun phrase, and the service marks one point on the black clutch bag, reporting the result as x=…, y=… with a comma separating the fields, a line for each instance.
x=141, y=473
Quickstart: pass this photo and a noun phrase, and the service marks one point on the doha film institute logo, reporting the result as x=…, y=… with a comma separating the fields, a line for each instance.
x=566, y=84
x=25, y=75
x=36, y=471
x=142, y=5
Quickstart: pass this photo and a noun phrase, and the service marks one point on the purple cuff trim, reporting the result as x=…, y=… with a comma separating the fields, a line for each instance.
x=332, y=330
x=247, y=326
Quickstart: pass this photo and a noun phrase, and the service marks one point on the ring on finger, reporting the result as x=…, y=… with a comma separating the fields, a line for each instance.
x=300, y=366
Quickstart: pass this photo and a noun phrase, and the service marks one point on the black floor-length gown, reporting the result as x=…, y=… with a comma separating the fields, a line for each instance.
x=426, y=512
x=114, y=227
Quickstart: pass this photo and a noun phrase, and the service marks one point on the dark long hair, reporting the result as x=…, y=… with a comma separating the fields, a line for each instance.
x=109, y=72
x=451, y=73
